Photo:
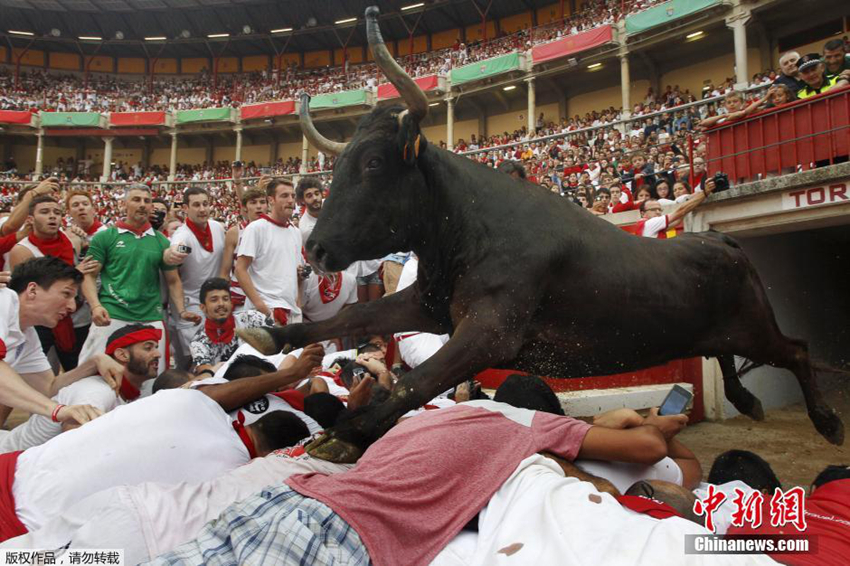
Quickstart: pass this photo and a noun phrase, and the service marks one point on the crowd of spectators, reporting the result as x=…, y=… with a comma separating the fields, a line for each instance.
x=39, y=90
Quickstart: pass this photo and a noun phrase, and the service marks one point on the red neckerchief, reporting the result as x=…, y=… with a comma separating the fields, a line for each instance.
x=220, y=333
x=281, y=315
x=328, y=288
x=128, y=391
x=204, y=235
x=95, y=226
x=59, y=247
x=292, y=397
x=243, y=224
x=275, y=222
x=239, y=427
x=138, y=232
x=647, y=506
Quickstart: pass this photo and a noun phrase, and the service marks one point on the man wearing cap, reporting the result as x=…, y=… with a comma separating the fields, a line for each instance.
x=813, y=72
x=134, y=347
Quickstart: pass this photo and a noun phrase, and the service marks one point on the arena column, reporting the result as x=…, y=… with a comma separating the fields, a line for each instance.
x=625, y=84
x=238, y=156
x=305, y=148
x=737, y=22
x=39, y=153
x=107, y=159
x=172, y=166
x=450, y=123
x=532, y=110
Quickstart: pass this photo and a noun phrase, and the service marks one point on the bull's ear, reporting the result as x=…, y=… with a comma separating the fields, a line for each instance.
x=410, y=139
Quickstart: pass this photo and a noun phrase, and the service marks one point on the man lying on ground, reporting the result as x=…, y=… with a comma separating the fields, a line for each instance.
x=401, y=504
x=134, y=347
x=176, y=435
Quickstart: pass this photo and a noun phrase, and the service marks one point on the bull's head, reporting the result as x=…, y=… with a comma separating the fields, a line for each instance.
x=377, y=186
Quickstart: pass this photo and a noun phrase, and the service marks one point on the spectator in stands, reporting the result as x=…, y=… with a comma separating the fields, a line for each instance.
x=813, y=72
x=835, y=57
x=790, y=76
x=131, y=256
x=654, y=224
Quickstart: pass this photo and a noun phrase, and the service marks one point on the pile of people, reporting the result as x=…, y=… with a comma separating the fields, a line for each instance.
x=126, y=334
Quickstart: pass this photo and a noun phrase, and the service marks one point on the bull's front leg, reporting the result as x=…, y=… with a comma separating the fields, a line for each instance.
x=399, y=312
x=476, y=345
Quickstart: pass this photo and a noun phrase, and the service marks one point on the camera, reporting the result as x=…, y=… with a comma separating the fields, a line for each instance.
x=721, y=182
x=157, y=218
x=184, y=249
x=306, y=271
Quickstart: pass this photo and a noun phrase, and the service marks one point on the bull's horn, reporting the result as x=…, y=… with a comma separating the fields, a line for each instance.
x=313, y=135
x=416, y=101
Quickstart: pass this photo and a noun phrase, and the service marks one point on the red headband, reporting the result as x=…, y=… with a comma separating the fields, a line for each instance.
x=134, y=338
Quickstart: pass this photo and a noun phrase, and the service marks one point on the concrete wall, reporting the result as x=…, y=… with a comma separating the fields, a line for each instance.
x=803, y=275
x=714, y=70
x=605, y=98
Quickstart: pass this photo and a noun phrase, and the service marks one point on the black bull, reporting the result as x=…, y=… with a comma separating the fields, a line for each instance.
x=523, y=279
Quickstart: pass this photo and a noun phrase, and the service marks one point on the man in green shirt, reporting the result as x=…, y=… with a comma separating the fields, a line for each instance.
x=131, y=257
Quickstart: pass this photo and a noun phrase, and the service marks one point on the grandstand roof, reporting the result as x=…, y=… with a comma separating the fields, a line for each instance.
x=313, y=22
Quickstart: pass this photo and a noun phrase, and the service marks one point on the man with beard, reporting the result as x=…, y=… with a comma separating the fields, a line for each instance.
x=134, y=347
x=254, y=203
x=269, y=264
x=309, y=194
x=217, y=341
x=205, y=239
x=46, y=239
x=131, y=257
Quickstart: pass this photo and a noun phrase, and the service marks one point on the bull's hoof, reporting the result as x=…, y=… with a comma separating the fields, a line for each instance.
x=261, y=339
x=828, y=424
x=332, y=449
x=747, y=404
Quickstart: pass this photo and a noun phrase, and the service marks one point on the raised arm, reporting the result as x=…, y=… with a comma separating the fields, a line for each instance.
x=239, y=392
x=679, y=214
x=19, y=214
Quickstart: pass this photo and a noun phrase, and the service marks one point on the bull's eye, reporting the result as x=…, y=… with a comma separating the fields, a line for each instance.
x=374, y=163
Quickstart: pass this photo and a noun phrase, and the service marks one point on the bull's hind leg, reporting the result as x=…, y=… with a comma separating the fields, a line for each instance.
x=742, y=399
x=778, y=350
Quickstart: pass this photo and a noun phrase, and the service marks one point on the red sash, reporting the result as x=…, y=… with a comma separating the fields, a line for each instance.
x=239, y=427
x=204, y=235
x=128, y=391
x=220, y=333
x=10, y=525
x=647, y=506
x=281, y=315
x=275, y=222
x=95, y=226
x=293, y=397
x=140, y=232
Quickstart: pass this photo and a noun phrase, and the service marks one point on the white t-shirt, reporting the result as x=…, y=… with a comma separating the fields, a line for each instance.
x=199, y=265
x=246, y=350
x=306, y=225
x=653, y=226
x=255, y=410
x=624, y=475
x=315, y=309
x=276, y=253
x=173, y=436
x=38, y=429
x=22, y=348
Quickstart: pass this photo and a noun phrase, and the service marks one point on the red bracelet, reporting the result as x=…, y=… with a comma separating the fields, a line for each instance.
x=55, y=413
